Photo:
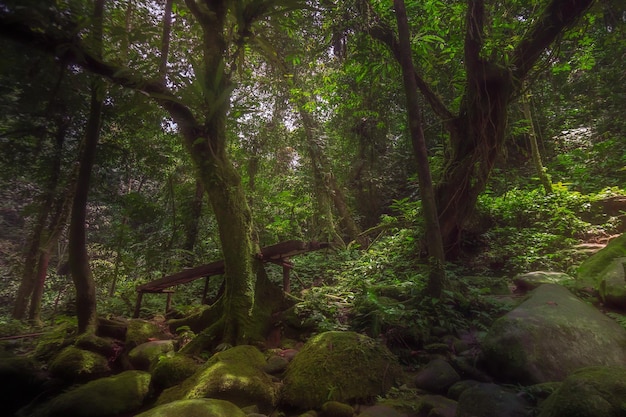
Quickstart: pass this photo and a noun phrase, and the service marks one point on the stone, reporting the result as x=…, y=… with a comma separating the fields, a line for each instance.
x=234, y=375
x=172, y=370
x=78, y=365
x=589, y=392
x=146, y=354
x=339, y=366
x=437, y=406
x=549, y=336
x=381, y=411
x=199, y=407
x=613, y=284
x=142, y=331
x=457, y=389
x=531, y=280
x=104, y=397
x=490, y=400
x=276, y=364
x=336, y=409
x=437, y=376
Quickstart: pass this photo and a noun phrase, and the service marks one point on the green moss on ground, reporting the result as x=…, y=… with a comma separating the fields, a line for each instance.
x=204, y=407
x=74, y=364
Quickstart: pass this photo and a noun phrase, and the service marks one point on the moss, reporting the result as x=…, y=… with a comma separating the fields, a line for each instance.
x=592, y=268
x=142, y=331
x=104, y=397
x=146, y=354
x=589, y=392
x=204, y=407
x=50, y=344
x=336, y=409
x=74, y=364
x=234, y=375
x=172, y=370
x=97, y=344
x=339, y=366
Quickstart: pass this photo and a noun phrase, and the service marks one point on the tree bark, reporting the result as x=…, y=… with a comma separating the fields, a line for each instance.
x=437, y=278
x=544, y=178
x=78, y=256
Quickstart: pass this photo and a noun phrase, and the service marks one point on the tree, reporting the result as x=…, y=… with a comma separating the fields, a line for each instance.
x=247, y=302
x=493, y=78
x=437, y=279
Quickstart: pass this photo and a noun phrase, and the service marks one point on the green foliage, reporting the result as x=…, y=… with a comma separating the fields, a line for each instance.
x=619, y=318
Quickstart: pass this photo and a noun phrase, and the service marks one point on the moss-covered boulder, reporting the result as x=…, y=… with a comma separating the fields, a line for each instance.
x=531, y=280
x=142, y=331
x=201, y=407
x=549, y=336
x=102, y=345
x=339, y=366
x=437, y=376
x=172, y=370
x=491, y=400
x=103, y=397
x=234, y=375
x=78, y=365
x=604, y=272
x=589, y=392
x=21, y=381
x=147, y=354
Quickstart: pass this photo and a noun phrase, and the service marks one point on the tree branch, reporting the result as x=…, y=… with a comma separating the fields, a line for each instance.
x=556, y=17
x=385, y=35
x=72, y=50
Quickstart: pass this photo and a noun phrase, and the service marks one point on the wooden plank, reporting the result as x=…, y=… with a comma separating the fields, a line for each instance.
x=274, y=253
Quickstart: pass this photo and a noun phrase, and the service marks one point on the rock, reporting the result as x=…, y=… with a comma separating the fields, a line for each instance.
x=490, y=400
x=613, y=284
x=604, y=272
x=437, y=406
x=589, y=392
x=172, y=370
x=21, y=382
x=336, y=409
x=457, y=389
x=276, y=365
x=437, y=376
x=77, y=365
x=531, y=280
x=381, y=411
x=549, y=336
x=146, y=354
x=103, y=397
x=142, y=331
x=200, y=407
x=340, y=366
x=234, y=375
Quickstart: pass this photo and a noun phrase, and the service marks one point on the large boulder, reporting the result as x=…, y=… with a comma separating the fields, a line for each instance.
x=104, y=397
x=235, y=375
x=531, y=280
x=437, y=376
x=589, y=392
x=200, y=407
x=172, y=370
x=604, y=272
x=549, y=336
x=339, y=366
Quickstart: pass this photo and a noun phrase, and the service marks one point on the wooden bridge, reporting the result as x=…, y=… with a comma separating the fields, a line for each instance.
x=279, y=254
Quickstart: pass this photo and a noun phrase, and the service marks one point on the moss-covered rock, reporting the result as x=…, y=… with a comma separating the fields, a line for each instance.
x=589, y=392
x=104, y=346
x=103, y=397
x=339, y=366
x=490, y=400
x=336, y=409
x=147, y=354
x=201, y=407
x=437, y=376
x=550, y=335
x=172, y=370
x=50, y=344
x=531, y=280
x=234, y=375
x=142, y=331
x=76, y=365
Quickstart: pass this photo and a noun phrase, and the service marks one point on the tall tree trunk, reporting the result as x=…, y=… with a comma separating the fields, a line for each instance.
x=436, y=256
x=544, y=178
x=78, y=256
x=192, y=218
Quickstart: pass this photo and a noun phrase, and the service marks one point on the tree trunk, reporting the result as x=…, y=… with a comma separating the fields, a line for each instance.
x=534, y=146
x=192, y=218
x=78, y=256
x=436, y=256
